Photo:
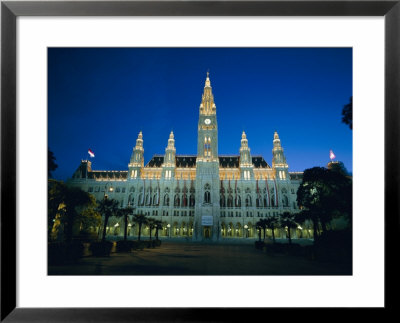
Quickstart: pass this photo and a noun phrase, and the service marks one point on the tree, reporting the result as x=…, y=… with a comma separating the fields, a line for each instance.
x=262, y=224
x=287, y=221
x=140, y=219
x=125, y=212
x=107, y=208
x=158, y=226
x=151, y=224
x=75, y=200
x=51, y=164
x=325, y=194
x=347, y=114
x=338, y=167
x=68, y=207
x=259, y=232
x=55, y=208
x=89, y=217
x=271, y=223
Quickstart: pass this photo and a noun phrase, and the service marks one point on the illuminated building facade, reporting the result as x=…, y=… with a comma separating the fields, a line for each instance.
x=199, y=197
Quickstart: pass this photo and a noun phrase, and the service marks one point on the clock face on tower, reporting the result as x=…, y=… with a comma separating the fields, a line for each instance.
x=207, y=121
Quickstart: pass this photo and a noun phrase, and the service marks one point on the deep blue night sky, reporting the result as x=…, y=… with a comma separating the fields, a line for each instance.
x=100, y=98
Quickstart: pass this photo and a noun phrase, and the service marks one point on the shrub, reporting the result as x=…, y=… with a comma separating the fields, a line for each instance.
x=125, y=246
x=101, y=248
x=334, y=246
x=138, y=245
x=259, y=244
x=86, y=236
x=61, y=252
x=150, y=243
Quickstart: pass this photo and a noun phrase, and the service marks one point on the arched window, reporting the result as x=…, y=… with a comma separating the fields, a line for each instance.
x=272, y=200
x=166, y=200
x=176, y=200
x=207, y=197
x=141, y=199
x=248, y=200
x=239, y=201
x=265, y=201
x=285, y=201
x=222, y=200
x=184, y=200
x=191, y=200
x=230, y=201
x=148, y=199
x=155, y=199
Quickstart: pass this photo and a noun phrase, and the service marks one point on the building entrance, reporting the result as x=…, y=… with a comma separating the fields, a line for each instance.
x=207, y=232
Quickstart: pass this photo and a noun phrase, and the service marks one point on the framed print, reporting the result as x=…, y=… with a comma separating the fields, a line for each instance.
x=66, y=74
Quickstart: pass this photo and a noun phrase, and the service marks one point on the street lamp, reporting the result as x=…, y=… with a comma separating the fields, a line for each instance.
x=247, y=232
x=169, y=230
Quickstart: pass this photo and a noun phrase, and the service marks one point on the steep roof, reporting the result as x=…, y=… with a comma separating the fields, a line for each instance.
x=112, y=175
x=226, y=161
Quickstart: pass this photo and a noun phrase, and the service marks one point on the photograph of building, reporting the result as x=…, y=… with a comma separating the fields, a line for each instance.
x=199, y=161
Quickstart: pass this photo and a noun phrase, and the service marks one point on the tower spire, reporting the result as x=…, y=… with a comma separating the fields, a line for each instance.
x=279, y=159
x=207, y=105
x=137, y=161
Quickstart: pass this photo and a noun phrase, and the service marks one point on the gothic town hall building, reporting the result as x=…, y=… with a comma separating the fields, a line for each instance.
x=199, y=197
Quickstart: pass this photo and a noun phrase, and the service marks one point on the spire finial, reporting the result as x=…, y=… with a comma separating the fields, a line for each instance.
x=208, y=83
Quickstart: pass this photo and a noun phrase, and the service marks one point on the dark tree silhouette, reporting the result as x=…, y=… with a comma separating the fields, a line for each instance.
x=259, y=232
x=287, y=221
x=158, y=226
x=74, y=199
x=70, y=205
x=347, y=113
x=272, y=222
x=51, y=164
x=338, y=167
x=56, y=193
x=324, y=194
x=140, y=219
x=107, y=208
x=263, y=225
x=125, y=212
x=151, y=224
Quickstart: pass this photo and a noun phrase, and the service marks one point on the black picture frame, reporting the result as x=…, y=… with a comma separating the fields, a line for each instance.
x=10, y=10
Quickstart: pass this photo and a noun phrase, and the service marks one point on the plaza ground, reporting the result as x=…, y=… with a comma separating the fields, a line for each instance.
x=188, y=258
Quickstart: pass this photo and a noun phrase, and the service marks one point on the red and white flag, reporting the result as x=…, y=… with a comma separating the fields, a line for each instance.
x=91, y=153
x=331, y=155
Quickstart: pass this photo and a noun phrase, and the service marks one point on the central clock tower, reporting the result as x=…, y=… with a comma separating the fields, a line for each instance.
x=206, y=224
x=207, y=139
